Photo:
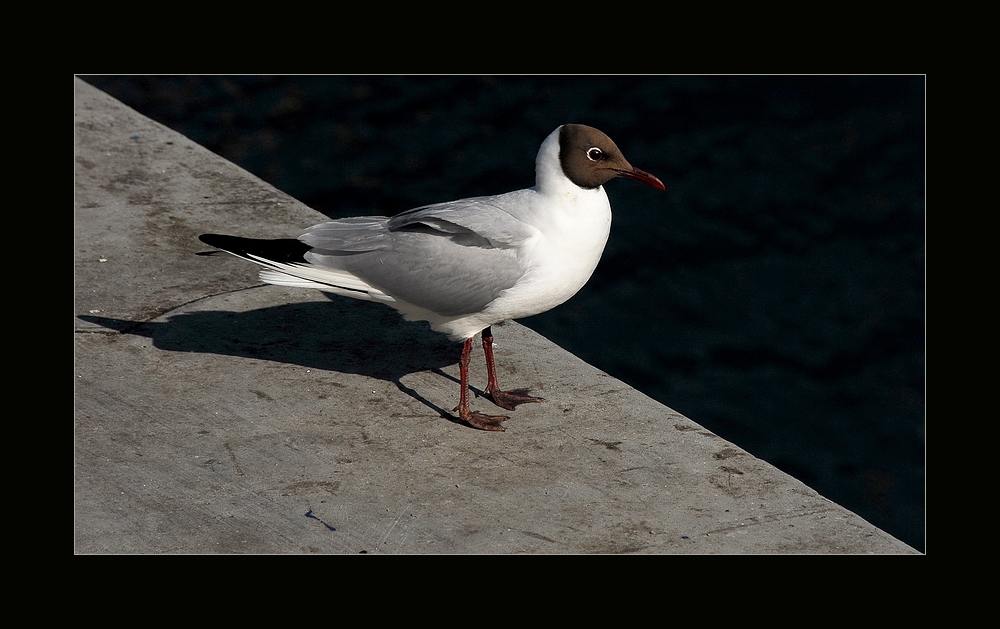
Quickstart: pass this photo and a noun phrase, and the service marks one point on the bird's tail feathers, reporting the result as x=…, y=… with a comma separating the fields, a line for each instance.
x=310, y=276
x=285, y=264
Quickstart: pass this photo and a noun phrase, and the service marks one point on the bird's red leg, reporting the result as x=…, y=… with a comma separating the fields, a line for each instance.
x=473, y=418
x=504, y=399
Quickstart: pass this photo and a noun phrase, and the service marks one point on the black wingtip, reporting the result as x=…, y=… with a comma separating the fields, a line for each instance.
x=279, y=250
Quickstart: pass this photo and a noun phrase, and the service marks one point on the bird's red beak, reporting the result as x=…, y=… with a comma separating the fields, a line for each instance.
x=643, y=176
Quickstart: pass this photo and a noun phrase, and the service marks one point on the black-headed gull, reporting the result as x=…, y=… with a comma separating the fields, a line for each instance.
x=468, y=264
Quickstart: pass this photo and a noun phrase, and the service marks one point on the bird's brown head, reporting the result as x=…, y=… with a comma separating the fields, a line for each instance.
x=590, y=158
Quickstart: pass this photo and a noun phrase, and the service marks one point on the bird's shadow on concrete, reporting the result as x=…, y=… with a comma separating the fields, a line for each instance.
x=341, y=335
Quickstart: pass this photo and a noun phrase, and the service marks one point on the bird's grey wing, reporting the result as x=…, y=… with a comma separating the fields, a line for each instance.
x=447, y=268
x=434, y=272
x=482, y=217
x=348, y=235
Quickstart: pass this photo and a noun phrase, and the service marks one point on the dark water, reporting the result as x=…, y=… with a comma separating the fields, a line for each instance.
x=774, y=293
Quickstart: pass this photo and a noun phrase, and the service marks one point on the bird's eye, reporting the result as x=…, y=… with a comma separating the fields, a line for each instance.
x=595, y=154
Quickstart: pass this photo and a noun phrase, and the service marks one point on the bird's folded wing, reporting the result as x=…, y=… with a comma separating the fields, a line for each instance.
x=482, y=216
x=348, y=235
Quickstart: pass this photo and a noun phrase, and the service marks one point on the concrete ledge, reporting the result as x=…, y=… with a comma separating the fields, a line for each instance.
x=215, y=414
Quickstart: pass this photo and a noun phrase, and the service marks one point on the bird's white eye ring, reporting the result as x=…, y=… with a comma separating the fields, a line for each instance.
x=595, y=154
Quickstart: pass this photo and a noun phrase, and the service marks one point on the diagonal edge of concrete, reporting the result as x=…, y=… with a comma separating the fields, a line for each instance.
x=214, y=414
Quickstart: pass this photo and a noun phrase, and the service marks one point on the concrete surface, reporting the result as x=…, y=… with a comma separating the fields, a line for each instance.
x=214, y=414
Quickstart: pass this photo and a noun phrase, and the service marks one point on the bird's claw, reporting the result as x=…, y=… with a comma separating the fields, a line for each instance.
x=511, y=399
x=481, y=420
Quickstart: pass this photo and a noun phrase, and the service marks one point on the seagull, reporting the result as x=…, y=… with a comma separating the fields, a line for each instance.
x=466, y=265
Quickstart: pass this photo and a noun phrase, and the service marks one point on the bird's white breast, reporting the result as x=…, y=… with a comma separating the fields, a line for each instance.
x=572, y=230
